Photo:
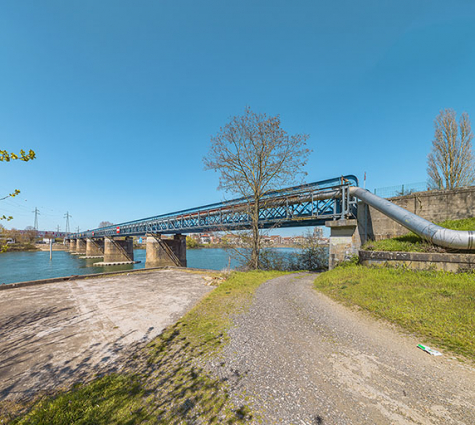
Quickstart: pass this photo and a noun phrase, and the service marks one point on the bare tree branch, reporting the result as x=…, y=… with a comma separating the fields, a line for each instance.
x=450, y=163
x=254, y=156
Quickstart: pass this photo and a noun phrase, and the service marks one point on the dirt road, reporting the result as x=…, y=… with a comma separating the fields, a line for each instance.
x=300, y=358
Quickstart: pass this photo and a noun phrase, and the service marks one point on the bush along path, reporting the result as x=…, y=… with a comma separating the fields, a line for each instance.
x=296, y=357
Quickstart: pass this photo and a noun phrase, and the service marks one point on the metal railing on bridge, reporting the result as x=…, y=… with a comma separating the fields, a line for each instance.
x=305, y=205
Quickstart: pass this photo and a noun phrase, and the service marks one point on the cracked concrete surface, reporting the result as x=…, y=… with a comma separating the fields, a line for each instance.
x=55, y=334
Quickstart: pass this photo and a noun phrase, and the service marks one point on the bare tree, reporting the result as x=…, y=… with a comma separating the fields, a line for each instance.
x=254, y=156
x=450, y=164
x=105, y=224
x=29, y=234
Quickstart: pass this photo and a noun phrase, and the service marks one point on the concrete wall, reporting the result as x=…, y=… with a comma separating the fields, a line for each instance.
x=345, y=241
x=419, y=260
x=435, y=206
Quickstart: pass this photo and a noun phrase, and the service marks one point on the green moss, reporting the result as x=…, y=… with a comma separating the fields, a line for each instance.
x=438, y=306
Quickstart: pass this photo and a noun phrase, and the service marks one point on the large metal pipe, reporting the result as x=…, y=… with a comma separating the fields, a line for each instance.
x=456, y=239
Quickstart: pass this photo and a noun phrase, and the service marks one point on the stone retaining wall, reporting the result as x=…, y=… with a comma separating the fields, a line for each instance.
x=419, y=260
x=435, y=206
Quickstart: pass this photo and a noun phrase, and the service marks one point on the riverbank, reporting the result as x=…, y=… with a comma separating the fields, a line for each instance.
x=55, y=247
x=56, y=334
x=276, y=353
x=21, y=247
x=159, y=382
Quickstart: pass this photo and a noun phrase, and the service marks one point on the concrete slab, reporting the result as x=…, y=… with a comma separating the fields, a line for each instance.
x=55, y=334
x=116, y=263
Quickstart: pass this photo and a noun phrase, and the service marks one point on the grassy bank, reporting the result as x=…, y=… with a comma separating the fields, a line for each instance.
x=437, y=306
x=19, y=247
x=164, y=383
x=413, y=243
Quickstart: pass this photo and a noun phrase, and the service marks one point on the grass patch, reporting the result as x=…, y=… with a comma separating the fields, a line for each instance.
x=438, y=306
x=414, y=243
x=165, y=382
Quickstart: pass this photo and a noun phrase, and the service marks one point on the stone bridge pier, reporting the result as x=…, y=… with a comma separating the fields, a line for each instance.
x=94, y=248
x=165, y=252
x=118, y=251
x=72, y=246
x=80, y=247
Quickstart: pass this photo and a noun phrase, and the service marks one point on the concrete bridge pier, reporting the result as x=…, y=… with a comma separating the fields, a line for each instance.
x=166, y=252
x=72, y=246
x=345, y=241
x=80, y=247
x=117, y=252
x=94, y=248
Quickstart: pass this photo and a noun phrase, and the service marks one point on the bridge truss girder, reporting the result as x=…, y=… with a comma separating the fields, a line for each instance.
x=306, y=205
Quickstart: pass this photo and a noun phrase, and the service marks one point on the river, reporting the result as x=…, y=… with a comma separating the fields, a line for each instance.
x=24, y=266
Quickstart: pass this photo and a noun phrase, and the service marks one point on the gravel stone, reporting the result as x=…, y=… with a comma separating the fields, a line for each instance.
x=297, y=357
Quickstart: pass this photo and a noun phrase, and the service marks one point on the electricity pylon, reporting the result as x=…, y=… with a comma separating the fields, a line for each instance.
x=37, y=213
x=66, y=216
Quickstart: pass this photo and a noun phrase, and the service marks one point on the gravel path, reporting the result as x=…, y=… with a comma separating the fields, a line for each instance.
x=299, y=358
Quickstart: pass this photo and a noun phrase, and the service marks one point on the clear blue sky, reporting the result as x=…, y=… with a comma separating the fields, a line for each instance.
x=119, y=98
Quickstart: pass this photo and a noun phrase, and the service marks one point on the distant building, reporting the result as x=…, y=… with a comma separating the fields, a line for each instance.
x=287, y=240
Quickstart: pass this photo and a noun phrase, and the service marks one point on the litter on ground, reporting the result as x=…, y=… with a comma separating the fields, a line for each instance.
x=429, y=350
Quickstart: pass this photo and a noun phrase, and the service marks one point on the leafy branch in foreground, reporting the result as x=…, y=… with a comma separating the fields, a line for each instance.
x=7, y=157
x=23, y=156
x=11, y=156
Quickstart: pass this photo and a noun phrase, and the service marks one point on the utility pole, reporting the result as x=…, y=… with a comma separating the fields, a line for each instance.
x=37, y=213
x=66, y=216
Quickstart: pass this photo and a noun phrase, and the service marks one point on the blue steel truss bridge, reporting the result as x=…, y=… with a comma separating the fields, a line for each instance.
x=306, y=205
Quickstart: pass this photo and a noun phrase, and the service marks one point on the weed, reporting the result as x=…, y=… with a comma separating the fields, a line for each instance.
x=438, y=306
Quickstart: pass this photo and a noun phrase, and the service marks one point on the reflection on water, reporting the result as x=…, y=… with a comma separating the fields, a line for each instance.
x=23, y=266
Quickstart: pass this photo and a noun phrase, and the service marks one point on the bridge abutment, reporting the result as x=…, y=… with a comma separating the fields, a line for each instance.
x=94, y=248
x=117, y=252
x=166, y=252
x=345, y=241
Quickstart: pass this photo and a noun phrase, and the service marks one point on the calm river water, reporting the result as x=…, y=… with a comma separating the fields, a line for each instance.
x=23, y=266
